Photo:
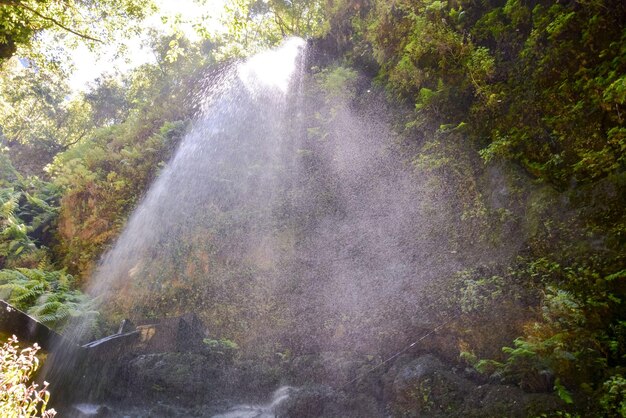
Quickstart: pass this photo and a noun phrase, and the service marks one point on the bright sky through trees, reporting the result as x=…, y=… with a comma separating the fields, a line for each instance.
x=179, y=15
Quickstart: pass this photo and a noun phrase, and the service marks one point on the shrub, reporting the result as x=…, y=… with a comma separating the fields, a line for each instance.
x=49, y=296
x=18, y=397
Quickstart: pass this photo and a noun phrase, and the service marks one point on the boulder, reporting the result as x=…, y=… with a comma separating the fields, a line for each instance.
x=321, y=401
x=425, y=387
x=308, y=402
x=183, y=375
x=331, y=368
x=510, y=401
x=251, y=380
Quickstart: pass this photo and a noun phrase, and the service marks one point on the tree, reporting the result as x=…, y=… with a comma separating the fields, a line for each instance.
x=108, y=101
x=94, y=22
x=38, y=116
x=256, y=24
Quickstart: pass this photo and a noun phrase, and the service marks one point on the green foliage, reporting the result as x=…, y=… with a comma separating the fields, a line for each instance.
x=21, y=21
x=540, y=85
x=480, y=294
x=14, y=233
x=37, y=116
x=613, y=397
x=222, y=350
x=103, y=180
x=516, y=127
x=578, y=338
x=337, y=83
x=28, y=212
x=562, y=392
x=108, y=100
x=485, y=366
x=222, y=344
x=524, y=78
x=18, y=397
x=105, y=173
x=49, y=296
x=253, y=25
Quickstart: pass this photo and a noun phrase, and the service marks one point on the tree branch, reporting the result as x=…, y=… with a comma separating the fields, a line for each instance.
x=56, y=22
x=66, y=145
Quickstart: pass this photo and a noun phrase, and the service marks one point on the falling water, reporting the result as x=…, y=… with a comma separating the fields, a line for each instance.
x=287, y=219
x=259, y=411
x=212, y=167
x=280, y=195
x=231, y=157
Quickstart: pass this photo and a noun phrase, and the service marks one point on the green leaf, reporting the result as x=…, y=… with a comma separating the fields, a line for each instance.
x=562, y=392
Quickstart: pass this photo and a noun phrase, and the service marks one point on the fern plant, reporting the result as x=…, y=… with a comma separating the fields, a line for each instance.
x=48, y=296
x=29, y=208
x=13, y=232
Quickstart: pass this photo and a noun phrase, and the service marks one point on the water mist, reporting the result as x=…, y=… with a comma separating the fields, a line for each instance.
x=288, y=219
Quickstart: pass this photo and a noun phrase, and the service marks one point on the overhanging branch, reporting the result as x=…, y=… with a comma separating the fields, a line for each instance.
x=51, y=19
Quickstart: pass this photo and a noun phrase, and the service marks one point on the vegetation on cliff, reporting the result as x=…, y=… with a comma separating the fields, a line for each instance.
x=509, y=114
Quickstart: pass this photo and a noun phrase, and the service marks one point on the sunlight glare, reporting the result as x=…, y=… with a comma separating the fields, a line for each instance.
x=272, y=68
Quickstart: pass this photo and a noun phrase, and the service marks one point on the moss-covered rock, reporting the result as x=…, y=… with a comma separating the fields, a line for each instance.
x=509, y=401
x=424, y=387
x=321, y=401
x=176, y=374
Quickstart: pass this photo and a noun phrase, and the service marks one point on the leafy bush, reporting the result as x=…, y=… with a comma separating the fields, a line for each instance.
x=18, y=398
x=222, y=350
x=14, y=234
x=575, y=343
x=28, y=213
x=613, y=399
x=47, y=295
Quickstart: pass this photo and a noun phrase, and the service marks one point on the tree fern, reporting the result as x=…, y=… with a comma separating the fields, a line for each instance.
x=27, y=212
x=51, y=313
x=31, y=291
x=46, y=295
x=7, y=289
x=8, y=202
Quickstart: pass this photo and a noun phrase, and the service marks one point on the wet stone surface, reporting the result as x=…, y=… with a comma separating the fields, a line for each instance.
x=188, y=385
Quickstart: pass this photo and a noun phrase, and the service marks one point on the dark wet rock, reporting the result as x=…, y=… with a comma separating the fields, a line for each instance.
x=165, y=411
x=424, y=387
x=474, y=375
x=178, y=384
x=368, y=381
x=332, y=368
x=321, y=401
x=252, y=379
x=309, y=402
x=180, y=375
x=388, y=378
x=510, y=401
x=155, y=409
x=359, y=405
x=179, y=378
